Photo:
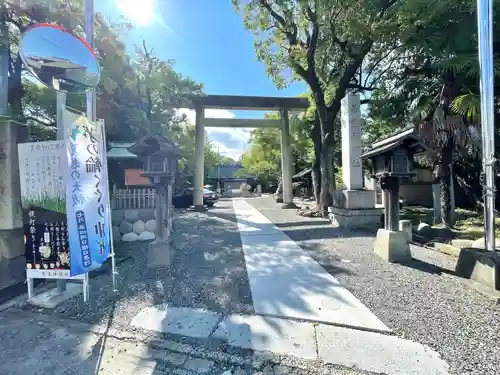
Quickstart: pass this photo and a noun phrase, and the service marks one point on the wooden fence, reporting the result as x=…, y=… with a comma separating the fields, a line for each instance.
x=132, y=198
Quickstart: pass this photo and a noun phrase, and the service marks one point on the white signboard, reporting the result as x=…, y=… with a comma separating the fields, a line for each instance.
x=41, y=166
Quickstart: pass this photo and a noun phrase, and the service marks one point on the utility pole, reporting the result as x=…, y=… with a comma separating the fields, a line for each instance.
x=485, y=45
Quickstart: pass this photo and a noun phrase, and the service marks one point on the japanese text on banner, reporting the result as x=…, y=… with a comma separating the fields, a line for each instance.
x=86, y=194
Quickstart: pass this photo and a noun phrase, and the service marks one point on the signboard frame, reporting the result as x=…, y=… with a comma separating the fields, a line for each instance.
x=50, y=175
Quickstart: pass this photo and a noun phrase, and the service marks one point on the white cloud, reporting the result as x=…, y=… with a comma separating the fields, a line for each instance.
x=232, y=142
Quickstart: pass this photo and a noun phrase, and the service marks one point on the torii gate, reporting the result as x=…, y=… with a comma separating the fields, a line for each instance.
x=230, y=102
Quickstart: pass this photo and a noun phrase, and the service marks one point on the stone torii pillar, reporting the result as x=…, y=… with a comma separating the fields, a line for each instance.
x=199, y=158
x=286, y=160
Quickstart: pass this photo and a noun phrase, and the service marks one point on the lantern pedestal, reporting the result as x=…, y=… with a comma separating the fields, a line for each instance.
x=160, y=250
x=355, y=209
x=391, y=244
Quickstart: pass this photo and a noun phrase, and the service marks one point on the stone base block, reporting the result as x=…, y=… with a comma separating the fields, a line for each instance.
x=355, y=218
x=11, y=243
x=479, y=265
x=355, y=199
x=160, y=253
x=392, y=246
x=289, y=206
x=52, y=298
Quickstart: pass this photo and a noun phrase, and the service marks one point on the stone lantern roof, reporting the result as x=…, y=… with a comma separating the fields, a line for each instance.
x=154, y=145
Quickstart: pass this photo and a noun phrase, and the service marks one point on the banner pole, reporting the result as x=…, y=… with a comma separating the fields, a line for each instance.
x=60, y=108
x=108, y=208
x=92, y=116
x=90, y=98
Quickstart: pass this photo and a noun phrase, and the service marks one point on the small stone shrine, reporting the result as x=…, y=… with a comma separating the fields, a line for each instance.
x=391, y=161
x=354, y=207
x=160, y=157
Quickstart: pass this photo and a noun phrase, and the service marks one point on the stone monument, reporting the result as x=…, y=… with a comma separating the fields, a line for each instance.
x=12, y=263
x=161, y=162
x=354, y=206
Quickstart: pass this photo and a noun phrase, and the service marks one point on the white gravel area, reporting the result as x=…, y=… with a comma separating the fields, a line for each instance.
x=423, y=301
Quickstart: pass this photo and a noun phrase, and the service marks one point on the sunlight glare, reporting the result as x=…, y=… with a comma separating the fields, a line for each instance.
x=141, y=12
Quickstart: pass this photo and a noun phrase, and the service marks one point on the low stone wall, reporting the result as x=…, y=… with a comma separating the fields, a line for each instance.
x=133, y=225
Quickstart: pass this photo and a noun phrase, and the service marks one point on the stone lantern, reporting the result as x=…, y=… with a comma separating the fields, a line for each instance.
x=391, y=164
x=160, y=157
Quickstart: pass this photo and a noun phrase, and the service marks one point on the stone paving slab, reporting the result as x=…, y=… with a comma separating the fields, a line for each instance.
x=177, y=320
x=267, y=333
x=286, y=282
x=377, y=352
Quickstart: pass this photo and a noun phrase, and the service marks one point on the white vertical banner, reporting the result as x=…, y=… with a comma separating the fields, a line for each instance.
x=86, y=194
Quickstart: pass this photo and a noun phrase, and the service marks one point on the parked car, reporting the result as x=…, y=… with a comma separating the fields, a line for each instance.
x=184, y=199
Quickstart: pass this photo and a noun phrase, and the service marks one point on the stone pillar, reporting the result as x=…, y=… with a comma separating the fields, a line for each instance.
x=11, y=213
x=12, y=263
x=352, y=172
x=286, y=159
x=199, y=157
x=355, y=206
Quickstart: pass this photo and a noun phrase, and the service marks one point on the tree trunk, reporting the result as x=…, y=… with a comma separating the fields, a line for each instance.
x=326, y=117
x=445, y=183
x=315, y=168
x=327, y=180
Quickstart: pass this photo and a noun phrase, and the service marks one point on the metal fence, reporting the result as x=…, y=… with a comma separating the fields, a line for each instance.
x=133, y=198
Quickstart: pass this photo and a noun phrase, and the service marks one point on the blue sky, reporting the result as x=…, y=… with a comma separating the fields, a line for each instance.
x=209, y=43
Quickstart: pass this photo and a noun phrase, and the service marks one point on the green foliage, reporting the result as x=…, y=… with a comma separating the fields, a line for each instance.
x=133, y=97
x=467, y=105
x=263, y=158
x=184, y=136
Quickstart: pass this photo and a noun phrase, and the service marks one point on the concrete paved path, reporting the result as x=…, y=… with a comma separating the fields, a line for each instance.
x=286, y=282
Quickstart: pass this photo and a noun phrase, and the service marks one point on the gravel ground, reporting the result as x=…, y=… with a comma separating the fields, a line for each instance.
x=208, y=272
x=422, y=301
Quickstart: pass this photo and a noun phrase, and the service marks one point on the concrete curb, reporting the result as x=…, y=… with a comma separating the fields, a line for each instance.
x=446, y=249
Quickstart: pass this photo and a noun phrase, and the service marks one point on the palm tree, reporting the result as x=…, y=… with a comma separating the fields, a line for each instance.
x=445, y=111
